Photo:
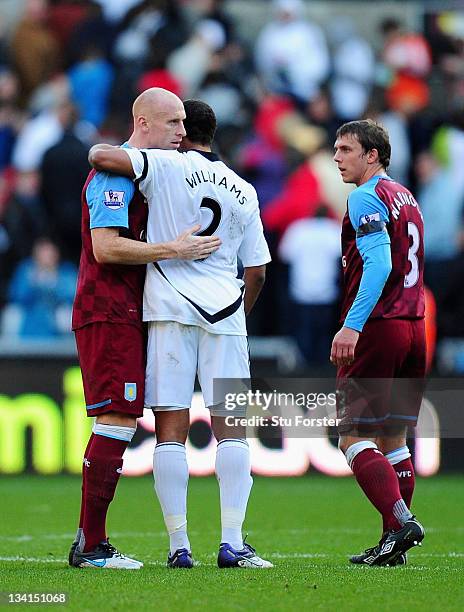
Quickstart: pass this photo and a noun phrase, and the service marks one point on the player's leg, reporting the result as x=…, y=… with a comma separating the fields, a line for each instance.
x=395, y=449
x=171, y=368
x=220, y=357
x=83, y=496
x=364, y=406
x=112, y=433
x=377, y=479
x=171, y=475
x=115, y=398
x=233, y=472
x=408, y=391
x=411, y=391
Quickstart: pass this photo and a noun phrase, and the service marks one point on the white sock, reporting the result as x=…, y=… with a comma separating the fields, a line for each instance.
x=170, y=471
x=401, y=512
x=233, y=473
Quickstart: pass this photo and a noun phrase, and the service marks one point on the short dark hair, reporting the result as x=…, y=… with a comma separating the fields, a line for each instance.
x=199, y=122
x=371, y=135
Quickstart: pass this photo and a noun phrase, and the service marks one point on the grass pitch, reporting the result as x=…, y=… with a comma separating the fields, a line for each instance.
x=306, y=526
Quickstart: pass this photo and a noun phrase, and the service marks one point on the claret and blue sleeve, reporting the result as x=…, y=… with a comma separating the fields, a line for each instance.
x=108, y=197
x=369, y=216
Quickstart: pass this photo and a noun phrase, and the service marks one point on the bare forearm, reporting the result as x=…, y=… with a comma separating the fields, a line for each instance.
x=107, y=158
x=111, y=248
x=254, y=280
x=131, y=252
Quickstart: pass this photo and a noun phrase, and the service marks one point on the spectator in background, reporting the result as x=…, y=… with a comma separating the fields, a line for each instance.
x=262, y=157
x=221, y=93
x=4, y=43
x=396, y=123
x=46, y=128
x=7, y=248
x=157, y=73
x=42, y=288
x=404, y=53
x=299, y=198
x=24, y=218
x=214, y=11
x=64, y=170
x=301, y=193
x=353, y=70
x=174, y=29
x=291, y=53
x=34, y=50
x=142, y=22
x=446, y=35
x=333, y=192
x=116, y=10
x=406, y=61
x=92, y=29
x=191, y=62
x=441, y=194
x=317, y=146
x=90, y=80
x=148, y=34
x=448, y=145
x=311, y=248
x=10, y=117
x=320, y=113
x=442, y=202
x=405, y=99
x=64, y=17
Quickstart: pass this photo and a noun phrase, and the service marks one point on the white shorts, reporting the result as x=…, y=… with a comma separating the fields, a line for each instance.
x=177, y=352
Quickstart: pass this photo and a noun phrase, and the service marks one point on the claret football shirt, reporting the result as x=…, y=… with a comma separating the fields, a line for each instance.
x=383, y=212
x=109, y=292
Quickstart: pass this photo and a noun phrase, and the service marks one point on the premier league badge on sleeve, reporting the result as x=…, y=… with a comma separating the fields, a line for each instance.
x=130, y=391
x=370, y=218
x=114, y=199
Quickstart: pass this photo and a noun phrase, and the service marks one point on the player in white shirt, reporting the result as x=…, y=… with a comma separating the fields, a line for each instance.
x=196, y=314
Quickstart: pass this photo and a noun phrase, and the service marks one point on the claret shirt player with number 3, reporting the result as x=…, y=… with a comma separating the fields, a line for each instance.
x=392, y=343
x=386, y=212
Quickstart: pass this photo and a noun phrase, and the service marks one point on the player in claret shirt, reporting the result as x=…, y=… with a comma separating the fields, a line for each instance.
x=107, y=319
x=380, y=350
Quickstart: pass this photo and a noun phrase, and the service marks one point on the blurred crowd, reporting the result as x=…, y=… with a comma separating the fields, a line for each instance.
x=70, y=69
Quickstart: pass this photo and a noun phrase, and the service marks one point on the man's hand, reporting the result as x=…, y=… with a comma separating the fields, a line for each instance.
x=188, y=246
x=343, y=346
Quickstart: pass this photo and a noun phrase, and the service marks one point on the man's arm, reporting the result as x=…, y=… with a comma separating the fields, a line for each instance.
x=376, y=270
x=368, y=216
x=111, y=248
x=106, y=158
x=254, y=278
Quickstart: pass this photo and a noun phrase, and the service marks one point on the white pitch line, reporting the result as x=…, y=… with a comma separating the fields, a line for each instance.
x=275, y=555
x=162, y=534
x=33, y=559
x=70, y=536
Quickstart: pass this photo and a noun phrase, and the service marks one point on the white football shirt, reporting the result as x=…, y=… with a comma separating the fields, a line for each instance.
x=182, y=190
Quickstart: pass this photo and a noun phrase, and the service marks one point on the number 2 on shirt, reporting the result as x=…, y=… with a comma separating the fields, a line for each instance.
x=215, y=208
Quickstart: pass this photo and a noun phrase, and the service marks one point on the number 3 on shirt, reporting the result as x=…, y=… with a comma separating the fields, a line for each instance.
x=413, y=276
x=215, y=208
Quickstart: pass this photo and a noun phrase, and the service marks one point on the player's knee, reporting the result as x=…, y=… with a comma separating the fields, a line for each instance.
x=118, y=419
x=392, y=441
x=172, y=426
x=222, y=431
